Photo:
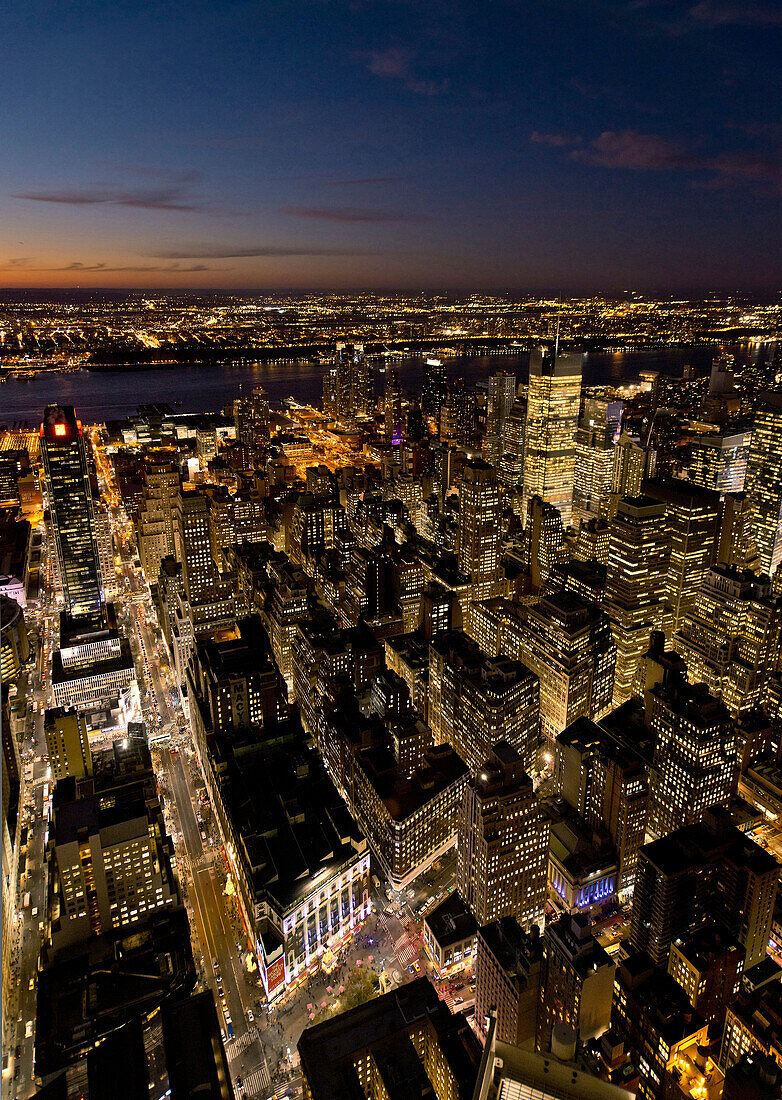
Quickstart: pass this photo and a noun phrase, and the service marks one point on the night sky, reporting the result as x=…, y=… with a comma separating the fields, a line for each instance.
x=318, y=144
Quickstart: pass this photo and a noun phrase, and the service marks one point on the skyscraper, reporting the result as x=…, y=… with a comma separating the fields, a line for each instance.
x=512, y=460
x=730, y=638
x=709, y=870
x=259, y=412
x=692, y=516
x=155, y=521
x=633, y=461
x=70, y=505
x=476, y=700
x=479, y=527
x=393, y=408
x=695, y=763
x=720, y=461
x=503, y=842
x=354, y=390
x=764, y=480
x=607, y=784
x=577, y=981
x=552, y=417
x=435, y=387
x=593, y=473
x=502, y=393
x=208, y=595
x=635, y=585
x=567, y=642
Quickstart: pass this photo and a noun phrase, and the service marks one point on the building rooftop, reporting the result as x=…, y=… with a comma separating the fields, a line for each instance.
x=662, y=1000
x=301, y=830
x=691, y=846
x=329, y=1051
x=84, y=994
x=451, y=921
x=402, y=796
x=514, y=949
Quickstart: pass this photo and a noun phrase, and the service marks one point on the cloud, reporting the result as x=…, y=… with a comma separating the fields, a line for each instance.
x=397, y=64
x=362, y=180
x=18, y=261
x=345, y=214
x=228, y=252
x=618, y=97
x=164, y=198
x=78, y=266
x=629, y=149
x=733, y=168
x=636, y=152
x=725, y=13
x=556, y=141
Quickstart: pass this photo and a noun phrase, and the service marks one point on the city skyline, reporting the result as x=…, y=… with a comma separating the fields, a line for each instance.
x=391, y=550
x=570, y=148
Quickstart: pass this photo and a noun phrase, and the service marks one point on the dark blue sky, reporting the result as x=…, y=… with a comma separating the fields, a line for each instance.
x=420, y=144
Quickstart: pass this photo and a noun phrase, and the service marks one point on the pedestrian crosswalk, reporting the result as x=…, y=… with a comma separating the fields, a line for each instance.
x=235, y=1047
x=256, y=1081
x=405, y=951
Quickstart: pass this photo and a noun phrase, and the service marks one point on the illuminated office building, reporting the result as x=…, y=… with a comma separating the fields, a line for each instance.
x=479, y=527
x=577, y=981
x=252, y=421
x=503, y=842
x=512, y=459
x=155, y=521
x=235, y=518
x=70, y=505
x=354, y=389
x=209, y=596
x=719, y=462
x=635, y=585
x=764, y=481
x=68, y=742
x=435, y=387
x=592, y=541
x=708, y=965
x=633, y=462
x=105, y=542
x=607, y=784
x=553, y=403
x=110, y=853
x=567, y=642
x=705, y=871
x=507, y=979
x=731, y=637
x=692, y=516
x=593, y=474
x=604, y=415
x=392, y=408
x=737, y=546
x=259, y=418
x=695, y=763
x=476, y=700
x=544, y=538
x=501, y=396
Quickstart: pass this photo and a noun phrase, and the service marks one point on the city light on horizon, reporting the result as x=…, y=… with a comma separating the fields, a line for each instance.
x=391, y=551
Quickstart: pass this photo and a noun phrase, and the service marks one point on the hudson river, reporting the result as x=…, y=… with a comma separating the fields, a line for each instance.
x=100, y=397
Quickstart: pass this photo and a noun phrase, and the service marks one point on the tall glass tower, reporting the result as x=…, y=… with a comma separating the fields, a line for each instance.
x=70, y=504
x=552, y=418
x=763, y=483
